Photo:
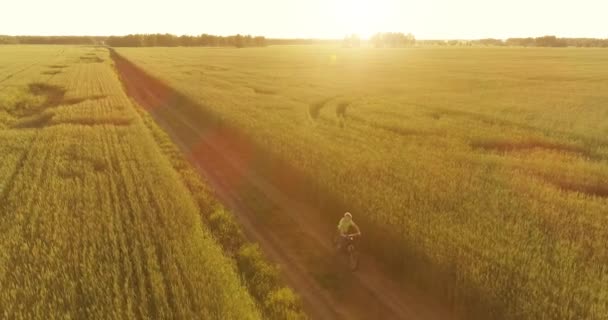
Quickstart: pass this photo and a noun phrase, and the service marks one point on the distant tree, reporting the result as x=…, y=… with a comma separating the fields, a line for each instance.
x=410, y=40
x=238, y=41
x=586, y=42
x=248, y=40
x=393, y=40
x=490, y=42
x=376, y=40
x=351, y=41
x=259, y=41
x=8, y=40
x=523, y=42
x=207, y=40
x=187, y=41
x=550, y=41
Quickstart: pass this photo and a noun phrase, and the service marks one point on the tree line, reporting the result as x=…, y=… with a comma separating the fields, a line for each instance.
x=546, y=41
x=169, y=40
x=381, y=40
x=51, y=40
x=393, y=40
x=143, y=40
x=303, y=41
x=390, y=39
x=552, y=41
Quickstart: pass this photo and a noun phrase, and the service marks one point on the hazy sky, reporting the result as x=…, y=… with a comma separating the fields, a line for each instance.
x=446, y=19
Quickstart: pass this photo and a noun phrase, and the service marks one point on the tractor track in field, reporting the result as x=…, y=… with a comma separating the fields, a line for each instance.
x=291, y=232
x=11, y=75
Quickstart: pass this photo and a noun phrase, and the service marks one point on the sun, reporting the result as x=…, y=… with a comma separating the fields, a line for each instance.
x=361, y=17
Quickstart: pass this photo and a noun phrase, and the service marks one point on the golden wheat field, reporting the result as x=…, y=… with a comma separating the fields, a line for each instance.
x=491, y=163
x=100, y=217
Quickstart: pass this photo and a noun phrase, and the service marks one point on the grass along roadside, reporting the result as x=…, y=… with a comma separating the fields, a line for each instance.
x=261, y=278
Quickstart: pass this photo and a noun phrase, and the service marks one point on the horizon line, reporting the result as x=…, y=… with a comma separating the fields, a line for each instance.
x=305, y=38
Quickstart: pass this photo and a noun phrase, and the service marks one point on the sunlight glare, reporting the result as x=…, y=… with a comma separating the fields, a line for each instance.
x=361, y=17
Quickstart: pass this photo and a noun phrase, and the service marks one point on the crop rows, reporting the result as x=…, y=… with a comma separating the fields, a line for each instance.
x=95, y=221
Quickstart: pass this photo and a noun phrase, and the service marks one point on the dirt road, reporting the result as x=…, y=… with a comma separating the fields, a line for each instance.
x=291, y=232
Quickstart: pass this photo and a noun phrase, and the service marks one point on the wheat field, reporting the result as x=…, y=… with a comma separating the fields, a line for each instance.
x=490, y=163
x=96, y=222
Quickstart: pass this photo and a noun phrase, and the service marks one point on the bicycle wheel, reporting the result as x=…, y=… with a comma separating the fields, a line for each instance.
x=353, y=258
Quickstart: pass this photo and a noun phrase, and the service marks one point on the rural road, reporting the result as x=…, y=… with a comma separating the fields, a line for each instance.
x=291, y=233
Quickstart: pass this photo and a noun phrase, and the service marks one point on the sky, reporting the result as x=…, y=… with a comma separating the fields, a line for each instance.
x=429, y=19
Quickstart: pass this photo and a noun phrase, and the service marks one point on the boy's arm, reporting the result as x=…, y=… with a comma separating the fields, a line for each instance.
x=357, y=227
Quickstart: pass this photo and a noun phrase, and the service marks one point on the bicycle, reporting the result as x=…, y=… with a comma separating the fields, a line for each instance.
x=345, y=244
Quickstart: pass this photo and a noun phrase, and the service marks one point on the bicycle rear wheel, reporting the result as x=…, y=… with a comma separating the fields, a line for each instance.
x=353, y=258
